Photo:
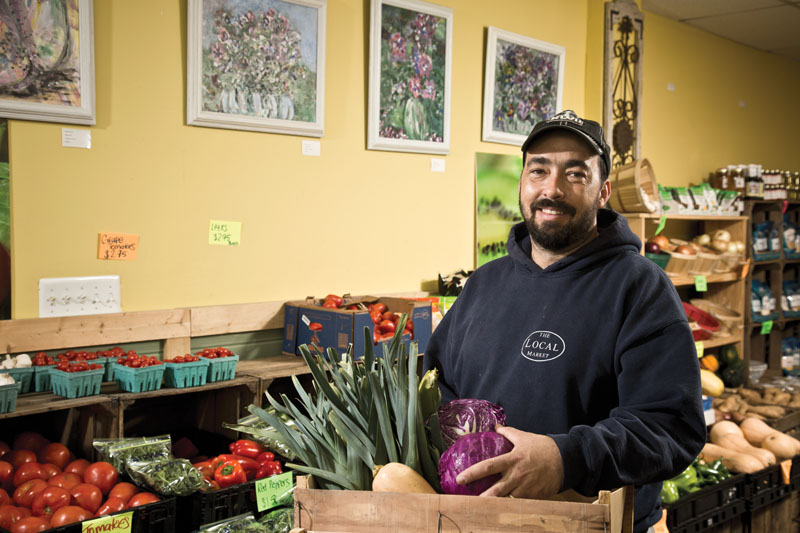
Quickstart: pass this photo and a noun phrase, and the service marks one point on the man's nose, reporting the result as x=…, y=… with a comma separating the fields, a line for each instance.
x=551, y=187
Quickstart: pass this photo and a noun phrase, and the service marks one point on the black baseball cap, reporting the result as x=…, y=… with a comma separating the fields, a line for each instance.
x=568, y=120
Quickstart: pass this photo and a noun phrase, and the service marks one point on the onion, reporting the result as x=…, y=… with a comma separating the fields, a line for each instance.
x=719, y=245
x=721, y=235
x=652, y=248
x=703, y=240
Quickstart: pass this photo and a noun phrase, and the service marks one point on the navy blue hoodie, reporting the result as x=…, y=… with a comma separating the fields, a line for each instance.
x=595, y=351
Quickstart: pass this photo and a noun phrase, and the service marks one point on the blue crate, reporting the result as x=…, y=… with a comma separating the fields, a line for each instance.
x=142, y=379
x=41, y=378
x=181, y=375
x=21, y=375
x=76, y=384
x=8, y=397
x=221, y=368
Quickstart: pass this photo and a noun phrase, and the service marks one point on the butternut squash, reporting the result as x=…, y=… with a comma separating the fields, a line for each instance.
x=755, y=430
x=397, y=477
x=723, y=427
x=740, y=444
x=779, y=444
x=741, y=463
x=711, y=384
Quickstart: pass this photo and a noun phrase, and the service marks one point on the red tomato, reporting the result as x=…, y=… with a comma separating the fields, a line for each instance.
x=50, y=500
x=6, y=475
x=101, y=474
x=124, y=491
x=388, y=315
x=4, y=448
x=66, y=480
x=5, y=499
x=27, y=472
x=31, y=524
x=17, y=458
x=55, y=454
x=386, y=326
x=335, y=298
x=25, y=493
x=410, y=326
x=50, y=471
x=87, y=496
x=69, y=515
x=376, y=317
x=111, y=505
x=330, y=305
x=77, y=466
x=381, y=308
x=30, y=440
x=143, y=498
x=10, y=514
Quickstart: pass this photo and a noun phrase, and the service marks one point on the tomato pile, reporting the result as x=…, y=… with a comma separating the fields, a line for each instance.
x=188, y=358
x=386, y=323
x=134, y=360
x=80, y=366
x=42, y=359
x=43, y=486
x=214, y=353
x=247, y=461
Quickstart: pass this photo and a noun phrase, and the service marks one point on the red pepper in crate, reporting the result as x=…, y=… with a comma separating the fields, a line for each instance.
x=206, y=468
x=269, y=468
x=250, y=466
x=229, y=473
x=247, y=448
x=264, y=457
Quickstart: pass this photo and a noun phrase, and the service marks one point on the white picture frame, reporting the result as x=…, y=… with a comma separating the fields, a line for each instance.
x=64, y=91
x=273, y=95
x=410, y=79
x=511, y=103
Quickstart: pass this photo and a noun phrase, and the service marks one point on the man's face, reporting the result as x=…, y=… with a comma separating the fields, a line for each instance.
x=560, y=190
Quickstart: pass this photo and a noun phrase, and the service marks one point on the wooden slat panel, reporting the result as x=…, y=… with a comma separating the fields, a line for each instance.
x=29, y=404
x=92, y=330
x=217, y=320
x=273, y=367
x=177, y=346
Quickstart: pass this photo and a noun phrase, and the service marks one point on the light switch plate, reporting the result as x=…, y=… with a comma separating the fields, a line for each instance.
x=88, y=295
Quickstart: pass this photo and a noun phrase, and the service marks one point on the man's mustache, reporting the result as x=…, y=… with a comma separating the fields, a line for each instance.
x=547, y=203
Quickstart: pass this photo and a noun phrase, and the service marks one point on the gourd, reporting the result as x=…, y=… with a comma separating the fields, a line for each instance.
x=779, y=444
x=397, y=477
x=742, y=463
x=738, y=443
x=711, y=384
x=724, y=427
x=755, y=430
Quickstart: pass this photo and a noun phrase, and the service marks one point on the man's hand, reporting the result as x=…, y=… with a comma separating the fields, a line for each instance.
x=532, y=469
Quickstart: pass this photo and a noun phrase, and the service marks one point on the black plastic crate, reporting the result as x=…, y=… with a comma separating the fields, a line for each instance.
x=767, y=497
x=712, y=519
x=207, y=507
x=764, y=481
x=706, y=500
x=156, y=517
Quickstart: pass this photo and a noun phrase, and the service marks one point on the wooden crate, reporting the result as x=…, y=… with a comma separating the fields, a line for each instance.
x=328, y=511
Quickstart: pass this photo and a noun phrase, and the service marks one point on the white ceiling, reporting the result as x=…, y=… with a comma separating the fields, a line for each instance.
x=768, y=25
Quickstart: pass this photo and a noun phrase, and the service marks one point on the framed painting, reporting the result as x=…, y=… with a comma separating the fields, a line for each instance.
x=496, y=203
x=409, y=76
x=47, y=61
x=523, y=84
x=257, y=65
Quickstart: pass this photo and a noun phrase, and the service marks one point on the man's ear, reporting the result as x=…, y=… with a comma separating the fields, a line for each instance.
x=605, y=193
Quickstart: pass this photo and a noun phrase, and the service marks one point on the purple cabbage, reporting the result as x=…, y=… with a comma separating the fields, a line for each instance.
x=462, y=417
x=465, y=452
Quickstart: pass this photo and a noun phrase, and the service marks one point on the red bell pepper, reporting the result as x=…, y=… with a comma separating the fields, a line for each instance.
x=229, y=473
x=246, y=448
x=250, y=466
x=269, y=468
x=264, y=457
x=206, y=468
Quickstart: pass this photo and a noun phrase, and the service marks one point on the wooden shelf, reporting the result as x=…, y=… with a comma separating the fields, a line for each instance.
x=657, y=216
x=714, y=342
x=44, y=402
x=681, y=281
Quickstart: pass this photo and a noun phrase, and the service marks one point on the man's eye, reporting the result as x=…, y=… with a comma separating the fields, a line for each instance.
x=576, y=175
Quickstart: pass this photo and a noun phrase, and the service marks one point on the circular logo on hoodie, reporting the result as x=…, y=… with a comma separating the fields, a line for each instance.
x=542, y=346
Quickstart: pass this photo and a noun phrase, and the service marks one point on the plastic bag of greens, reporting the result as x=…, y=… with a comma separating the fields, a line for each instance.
x=280, y=520
x=263, y=433
x=165, y=475
x=118, y=451
x=243, y=523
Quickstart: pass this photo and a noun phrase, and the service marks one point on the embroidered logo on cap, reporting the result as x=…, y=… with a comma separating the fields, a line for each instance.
x=543, y=346
x=566, y=115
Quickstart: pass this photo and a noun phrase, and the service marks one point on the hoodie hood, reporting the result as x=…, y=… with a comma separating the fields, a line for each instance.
x=615, y=237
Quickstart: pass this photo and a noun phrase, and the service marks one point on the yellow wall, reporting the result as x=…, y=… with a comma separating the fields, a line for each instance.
x=351, y=220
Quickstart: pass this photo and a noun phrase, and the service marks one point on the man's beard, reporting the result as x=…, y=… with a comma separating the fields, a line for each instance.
x=554, y=236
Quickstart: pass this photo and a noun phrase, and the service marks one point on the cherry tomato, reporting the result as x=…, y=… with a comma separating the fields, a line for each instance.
x=27, y=472
x=77, y=466
x=6, y=475
x=30, y=440
x=66, y=480
x=50, y=471
x=101, y=474
x=4, y=448
x=111, y=505
x=25, y=493
x=87, y=496
x=18, y=458
x=10, y=514
x=143, y=498
x=31, y=524
x=69, y=515
x=5, y=499
x=124, y=491
x=50, y=500
x=55, y=453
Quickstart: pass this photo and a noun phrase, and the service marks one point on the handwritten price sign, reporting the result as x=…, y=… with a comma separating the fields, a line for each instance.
x=118, y=523
x=271, y=490
x=117, y=246
x=224, y=233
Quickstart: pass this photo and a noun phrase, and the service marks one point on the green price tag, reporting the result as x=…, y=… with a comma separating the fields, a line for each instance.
x=271, y=490
x=700, y=284
x=661, y=224
x=699, y=347
x=766, y=327
x=118, y=523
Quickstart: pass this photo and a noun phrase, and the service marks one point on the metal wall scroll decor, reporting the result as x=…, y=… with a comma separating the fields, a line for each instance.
x=622, y=80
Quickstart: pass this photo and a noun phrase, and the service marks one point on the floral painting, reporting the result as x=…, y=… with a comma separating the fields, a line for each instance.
x=46, y=60
x=497, y=203
x=257, y=64
x=523, y=85
x=410, y=76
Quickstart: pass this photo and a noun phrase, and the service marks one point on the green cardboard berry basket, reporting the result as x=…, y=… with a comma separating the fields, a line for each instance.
x=8, y=397
x=141, y=379
x=41, y=378
x=76, y=384
x=221, y=368
x=21, y=375
x=182, y=375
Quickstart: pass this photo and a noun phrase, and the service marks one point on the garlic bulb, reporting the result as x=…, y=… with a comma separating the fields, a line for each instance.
x=24, y=361
x=8, y=362
x=6, y=379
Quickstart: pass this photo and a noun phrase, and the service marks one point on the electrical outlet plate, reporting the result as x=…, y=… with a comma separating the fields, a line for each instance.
x=88, y=295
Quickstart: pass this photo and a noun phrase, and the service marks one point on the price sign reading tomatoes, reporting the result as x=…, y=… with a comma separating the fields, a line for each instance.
x=118, y=523
x=271, y=490
x=118, y=246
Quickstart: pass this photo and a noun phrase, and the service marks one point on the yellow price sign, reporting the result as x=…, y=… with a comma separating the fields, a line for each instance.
x=117, y=523
x=699, y=347
x=271, y=490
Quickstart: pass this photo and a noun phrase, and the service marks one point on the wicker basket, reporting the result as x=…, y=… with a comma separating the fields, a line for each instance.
x=634, y=188
x=704, y=264
x=724, y=315
x=679, y=264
